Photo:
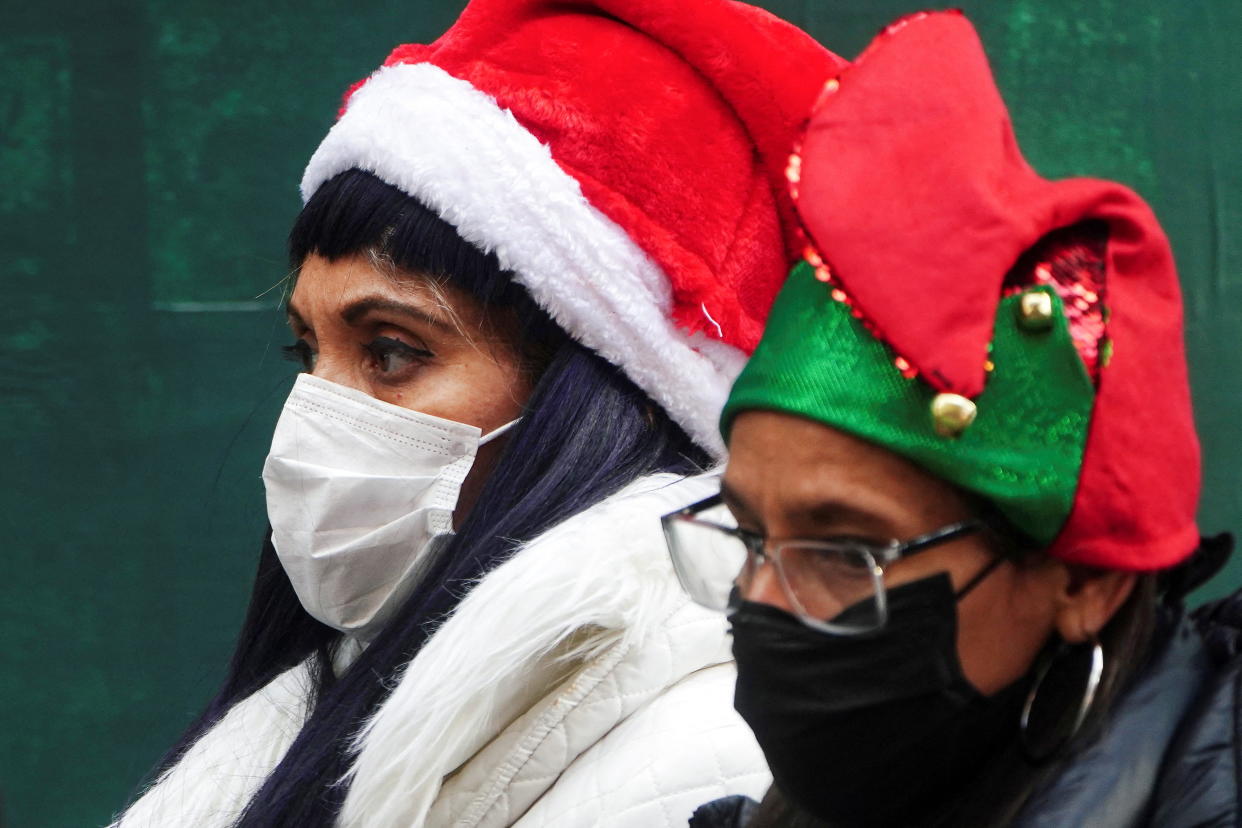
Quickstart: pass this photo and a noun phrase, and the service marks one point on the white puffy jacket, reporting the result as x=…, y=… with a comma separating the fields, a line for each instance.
x=575, y=685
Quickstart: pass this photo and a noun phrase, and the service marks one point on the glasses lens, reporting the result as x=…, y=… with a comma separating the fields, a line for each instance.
x=706, y=556
x=835, y=588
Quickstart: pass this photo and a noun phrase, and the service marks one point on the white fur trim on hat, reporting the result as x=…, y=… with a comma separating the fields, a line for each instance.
x=453, y=148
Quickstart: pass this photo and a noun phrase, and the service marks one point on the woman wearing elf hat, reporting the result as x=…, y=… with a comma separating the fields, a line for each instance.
x=532, y=258
x=959, y=513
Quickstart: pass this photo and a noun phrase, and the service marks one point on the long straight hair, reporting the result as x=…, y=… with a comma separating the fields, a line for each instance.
x=585, y=433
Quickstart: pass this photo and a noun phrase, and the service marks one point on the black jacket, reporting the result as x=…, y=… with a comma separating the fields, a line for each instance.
x=1170, y=755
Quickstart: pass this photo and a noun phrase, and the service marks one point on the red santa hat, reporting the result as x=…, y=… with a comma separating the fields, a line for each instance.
x=623, y=158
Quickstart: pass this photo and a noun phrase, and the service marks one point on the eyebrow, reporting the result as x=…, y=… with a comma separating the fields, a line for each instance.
x=817, y=512
x=360, y=307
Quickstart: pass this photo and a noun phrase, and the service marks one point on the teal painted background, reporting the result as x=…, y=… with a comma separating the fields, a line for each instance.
x=149, y=157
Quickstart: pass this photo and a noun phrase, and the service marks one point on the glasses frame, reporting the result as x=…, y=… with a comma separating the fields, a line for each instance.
x=760, y=549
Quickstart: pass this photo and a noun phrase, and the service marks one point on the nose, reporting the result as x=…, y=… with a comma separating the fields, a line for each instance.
x=764, y=587
x=334, y=367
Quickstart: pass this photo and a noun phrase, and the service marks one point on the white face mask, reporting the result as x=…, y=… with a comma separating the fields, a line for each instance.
x=358, y=490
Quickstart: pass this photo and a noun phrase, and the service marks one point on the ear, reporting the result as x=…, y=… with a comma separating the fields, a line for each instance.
x=1088, y=599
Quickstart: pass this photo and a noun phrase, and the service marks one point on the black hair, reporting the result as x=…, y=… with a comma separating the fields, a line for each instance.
x=586, y=432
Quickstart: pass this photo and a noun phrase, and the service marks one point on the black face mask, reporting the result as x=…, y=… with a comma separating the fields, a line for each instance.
x=878, y=729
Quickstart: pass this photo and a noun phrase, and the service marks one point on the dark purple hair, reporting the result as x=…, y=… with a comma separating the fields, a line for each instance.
x=586, y=432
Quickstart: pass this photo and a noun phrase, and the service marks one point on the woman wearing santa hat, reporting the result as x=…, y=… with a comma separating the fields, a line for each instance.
x=532, y=258
x=958, y=519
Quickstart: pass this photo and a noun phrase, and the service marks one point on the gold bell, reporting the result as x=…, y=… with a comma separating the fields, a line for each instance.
x=952, y=414
x=1035, y=310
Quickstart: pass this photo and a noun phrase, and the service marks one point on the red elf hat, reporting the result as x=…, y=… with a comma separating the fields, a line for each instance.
x=931, y=229
x=622, y=158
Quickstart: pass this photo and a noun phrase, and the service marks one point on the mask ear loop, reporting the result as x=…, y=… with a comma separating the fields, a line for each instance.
x=995, y=525
x=492, y=435
x=979, y=576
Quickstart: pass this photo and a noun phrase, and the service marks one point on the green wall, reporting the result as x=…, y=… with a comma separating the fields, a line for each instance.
x=149, y=157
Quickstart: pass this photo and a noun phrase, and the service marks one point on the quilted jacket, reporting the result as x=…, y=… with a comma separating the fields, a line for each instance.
x=575, y=685
x=1170, y=756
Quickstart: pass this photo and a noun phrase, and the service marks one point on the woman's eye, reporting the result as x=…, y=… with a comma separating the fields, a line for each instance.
x=301, y=353
x=392, y=355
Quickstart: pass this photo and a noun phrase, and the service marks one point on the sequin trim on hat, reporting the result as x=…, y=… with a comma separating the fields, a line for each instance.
x=1072, y=260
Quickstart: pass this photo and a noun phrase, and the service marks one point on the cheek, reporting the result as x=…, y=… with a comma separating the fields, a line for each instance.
x=1002, y=626
x=470, y=388
x=494, y=392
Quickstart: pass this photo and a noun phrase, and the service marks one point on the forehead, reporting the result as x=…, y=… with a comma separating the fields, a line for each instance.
x=783, y=465
x=339, y=281
x=774, y=443
x=339, y=287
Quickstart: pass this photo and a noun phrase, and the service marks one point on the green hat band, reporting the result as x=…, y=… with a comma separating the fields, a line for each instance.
x=1023, y=451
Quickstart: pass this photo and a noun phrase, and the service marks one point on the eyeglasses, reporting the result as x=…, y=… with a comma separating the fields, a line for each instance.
x=835, y=586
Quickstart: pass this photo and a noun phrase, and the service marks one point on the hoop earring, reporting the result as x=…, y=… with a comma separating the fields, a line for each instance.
x=1094, y=674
